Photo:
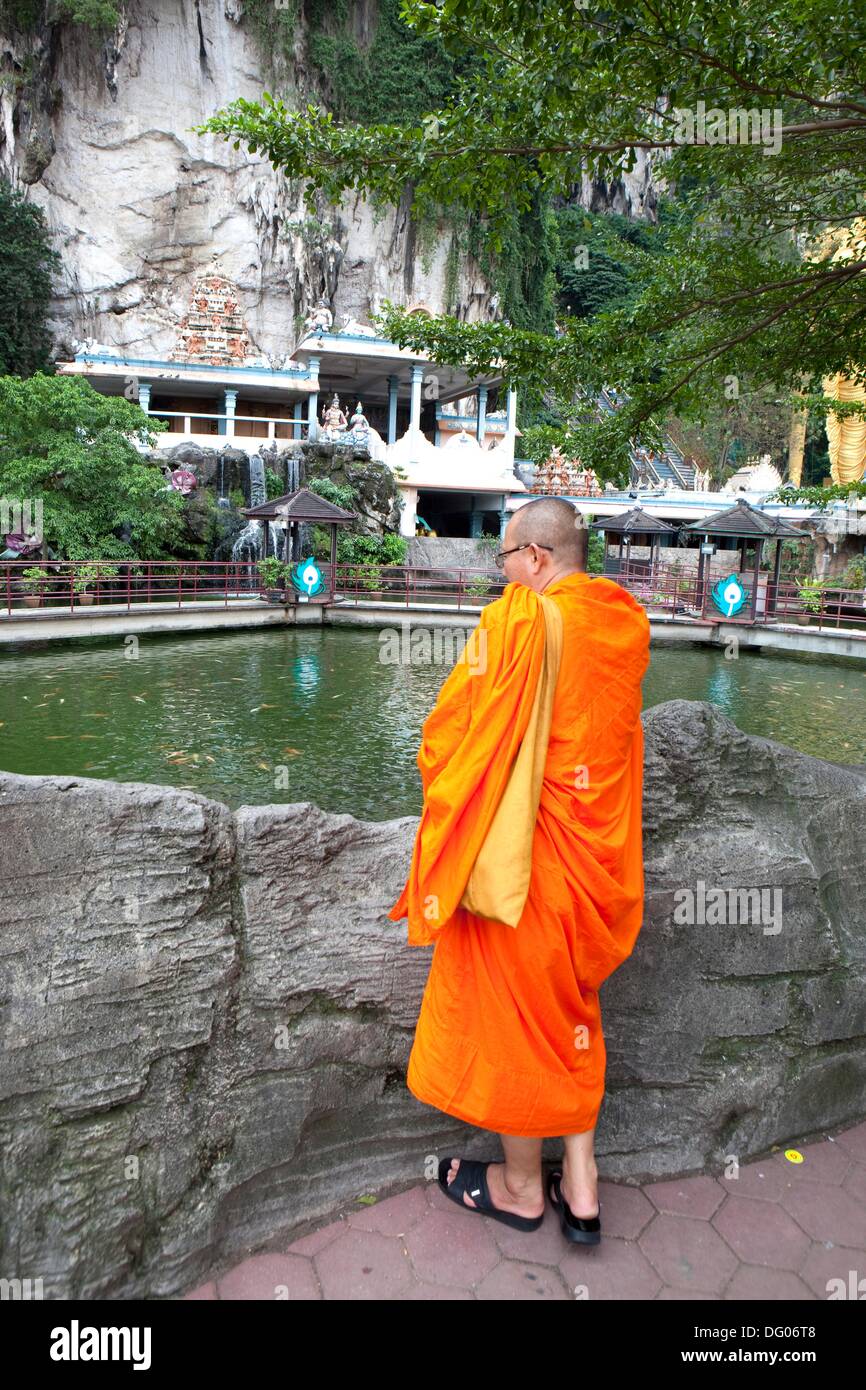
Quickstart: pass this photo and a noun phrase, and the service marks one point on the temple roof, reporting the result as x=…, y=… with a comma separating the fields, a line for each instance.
x=300, y=505
x=635, y=521
x=744, y=520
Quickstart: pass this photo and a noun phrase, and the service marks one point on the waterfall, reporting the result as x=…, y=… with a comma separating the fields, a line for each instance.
x=258, y=491
x=222, y=500
x=248, y=545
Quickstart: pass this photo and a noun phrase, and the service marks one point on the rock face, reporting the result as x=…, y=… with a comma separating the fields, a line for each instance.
x=206, y=1017
x=139, y=206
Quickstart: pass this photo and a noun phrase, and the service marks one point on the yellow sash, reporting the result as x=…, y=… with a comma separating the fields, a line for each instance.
x=499, y=881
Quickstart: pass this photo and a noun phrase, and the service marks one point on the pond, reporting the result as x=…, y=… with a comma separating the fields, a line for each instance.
x=316, y=715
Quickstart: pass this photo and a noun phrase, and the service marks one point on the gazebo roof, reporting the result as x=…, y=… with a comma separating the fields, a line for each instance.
x=300, y=505
x=745, y=520
x=635, y=521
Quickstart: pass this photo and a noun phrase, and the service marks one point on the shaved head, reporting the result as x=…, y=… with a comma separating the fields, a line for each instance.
x=552, y=521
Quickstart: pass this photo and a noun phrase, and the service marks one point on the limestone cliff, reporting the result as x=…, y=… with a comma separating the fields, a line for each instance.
x=99, y=129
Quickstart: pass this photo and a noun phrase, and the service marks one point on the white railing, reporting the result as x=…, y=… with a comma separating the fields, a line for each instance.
x=231, y=421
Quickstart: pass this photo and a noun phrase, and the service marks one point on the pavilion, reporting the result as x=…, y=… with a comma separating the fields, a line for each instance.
x=291, y=511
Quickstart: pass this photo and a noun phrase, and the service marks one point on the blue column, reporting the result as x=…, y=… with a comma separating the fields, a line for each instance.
x=415, y=412
x=298, y=426
x=392, y=409
x=313, y=403
x=230, y=400
x=144, y=396
x=503, y=519
x=482, y=414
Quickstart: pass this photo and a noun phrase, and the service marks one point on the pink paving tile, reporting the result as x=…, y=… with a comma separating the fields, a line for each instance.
x=624, y=1211
x=853, y=1140
x=823, y=1265
x=698, y=1196
x=203, y=1291
x=825, y=1161
x=514, y=1281
x=316, y=1240
x=764, y=1178
x=762, y=1233
x=669, y=1295
x=434, y=1293
x=688, y=1254
x=545, y=1246
x=271, y=1277
x=616, y=1269
x=776, y=1285
x=855, y=1183
x=393, y=1217
x=363, y=1264
x=827, y=1212
x=452, y=1247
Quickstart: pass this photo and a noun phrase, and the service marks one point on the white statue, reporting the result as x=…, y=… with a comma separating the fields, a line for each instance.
x=320, y=319
x=357, y=329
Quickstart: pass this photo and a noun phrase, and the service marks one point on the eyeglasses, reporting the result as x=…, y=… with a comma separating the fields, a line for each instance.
x=499, y=557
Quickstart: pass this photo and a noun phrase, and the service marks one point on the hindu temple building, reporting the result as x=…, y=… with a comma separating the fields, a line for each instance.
x=448, y=437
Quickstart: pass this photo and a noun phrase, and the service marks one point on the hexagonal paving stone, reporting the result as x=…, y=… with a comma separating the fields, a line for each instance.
x=271, y=1277
x=826, y=1212
x=688, y=1254
x=316, y=1240
x=434, y=1293
x=625, y=1211
x=616, y=1269
x=825, y=1161
x=762, y=1233
x=363, y=1264
x=823, y=1265
x=452, y=1247
x=853, y=1141
x=516, y=1280
x=777, y=1285
x=393, y=1217
x=698, y=1195
x=545, y=1246
x=764, y=1179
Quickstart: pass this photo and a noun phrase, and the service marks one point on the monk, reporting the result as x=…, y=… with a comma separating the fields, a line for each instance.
x=509, y=1034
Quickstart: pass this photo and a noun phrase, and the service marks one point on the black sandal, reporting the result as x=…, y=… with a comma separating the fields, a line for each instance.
x=472, y=1178
x=583, y=1230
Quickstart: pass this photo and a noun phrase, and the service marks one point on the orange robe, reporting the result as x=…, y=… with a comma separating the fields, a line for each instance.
x=509, y=1035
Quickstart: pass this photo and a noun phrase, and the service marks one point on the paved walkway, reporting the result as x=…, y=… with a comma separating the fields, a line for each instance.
x=780, y=1231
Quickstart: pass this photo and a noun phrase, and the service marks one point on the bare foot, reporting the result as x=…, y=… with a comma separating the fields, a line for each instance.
x=581, y=1192
x=529, y=1203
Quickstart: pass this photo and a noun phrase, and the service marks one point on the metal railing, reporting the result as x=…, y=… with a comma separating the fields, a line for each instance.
x=800, y=601
x=78, y=587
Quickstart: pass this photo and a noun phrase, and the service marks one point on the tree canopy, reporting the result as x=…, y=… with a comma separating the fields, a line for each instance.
x=27, y=260
x=754, y=115
x=64, y=443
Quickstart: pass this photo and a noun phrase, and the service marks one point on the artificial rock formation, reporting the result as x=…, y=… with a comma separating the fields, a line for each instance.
x=206, y=1016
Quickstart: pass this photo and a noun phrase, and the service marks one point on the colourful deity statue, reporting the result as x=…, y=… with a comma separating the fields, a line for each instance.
x=334, y=422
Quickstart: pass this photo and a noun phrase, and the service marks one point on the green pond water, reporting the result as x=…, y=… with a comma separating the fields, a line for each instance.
x=316, y=715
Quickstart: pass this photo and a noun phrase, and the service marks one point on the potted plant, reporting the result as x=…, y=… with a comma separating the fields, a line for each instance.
x=88, y=574
x=370, y=579
x=273, y=574
x=33, y=581
x=810, y=593
x=478, y=586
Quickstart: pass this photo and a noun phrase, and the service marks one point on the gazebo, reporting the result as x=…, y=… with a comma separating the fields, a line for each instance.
x=291, y=510
x=749, y=526
x=635, y=527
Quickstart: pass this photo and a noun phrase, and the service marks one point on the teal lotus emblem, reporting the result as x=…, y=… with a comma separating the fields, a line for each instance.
x=307, y=577
x=729, y=595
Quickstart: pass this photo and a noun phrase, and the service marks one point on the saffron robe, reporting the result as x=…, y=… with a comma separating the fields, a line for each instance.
x=509, y=1034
